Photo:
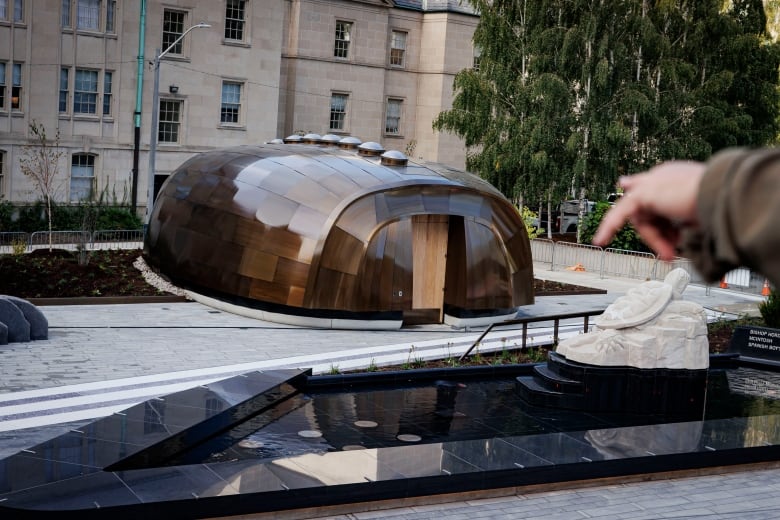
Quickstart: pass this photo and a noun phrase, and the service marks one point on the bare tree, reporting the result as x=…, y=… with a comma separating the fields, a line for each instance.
x=40, y=162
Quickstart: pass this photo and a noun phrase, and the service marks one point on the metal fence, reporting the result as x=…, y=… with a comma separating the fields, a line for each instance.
x=632, y=264
x=19, y=242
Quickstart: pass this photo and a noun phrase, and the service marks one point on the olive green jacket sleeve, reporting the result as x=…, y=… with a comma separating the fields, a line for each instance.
x=739, y=215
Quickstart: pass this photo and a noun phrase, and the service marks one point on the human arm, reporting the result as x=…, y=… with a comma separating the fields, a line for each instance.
x=724, y=214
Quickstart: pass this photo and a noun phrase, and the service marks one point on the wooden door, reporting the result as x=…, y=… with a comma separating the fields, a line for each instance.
x=429, y=252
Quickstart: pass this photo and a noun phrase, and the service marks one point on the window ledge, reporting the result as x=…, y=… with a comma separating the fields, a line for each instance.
x=95, y=33
x=86, y=117
x=394, y=136
x=231, y=126
x=236, y=43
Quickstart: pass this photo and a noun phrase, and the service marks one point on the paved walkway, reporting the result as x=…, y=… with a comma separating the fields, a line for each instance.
x=104, y=358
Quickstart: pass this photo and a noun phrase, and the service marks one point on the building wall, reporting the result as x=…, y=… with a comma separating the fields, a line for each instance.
x=285, y=66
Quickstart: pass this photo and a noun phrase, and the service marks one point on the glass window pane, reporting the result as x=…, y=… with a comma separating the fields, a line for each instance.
x=3, y=9
x=64, y=89
x=338, y=111
x=170, y=113
x=110, y=12
x=231, y=102
x=341, y=48
x=2, y=84
x=393, y=116
x=66, y=13
x=18, y=10
x=173, y=27
x=107, y=85
x=85, y=92
x=397, y=48
x=82, y=174
x=234, y=20
x=16, y=86
x=88, y=14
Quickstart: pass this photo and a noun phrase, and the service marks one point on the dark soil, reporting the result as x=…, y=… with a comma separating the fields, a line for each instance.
x=58, y=274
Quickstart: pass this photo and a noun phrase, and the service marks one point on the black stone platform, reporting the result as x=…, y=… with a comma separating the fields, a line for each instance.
x=234, y=447
x=561, y=383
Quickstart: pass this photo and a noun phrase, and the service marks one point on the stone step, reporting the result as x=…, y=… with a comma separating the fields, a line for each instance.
x=534, y=393
x=548, y=378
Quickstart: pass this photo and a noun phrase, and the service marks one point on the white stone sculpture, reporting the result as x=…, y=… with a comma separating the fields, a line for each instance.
x=649, y=327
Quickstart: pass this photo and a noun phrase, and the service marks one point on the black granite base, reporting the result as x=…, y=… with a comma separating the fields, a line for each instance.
x=186, y=455
x=561, y=383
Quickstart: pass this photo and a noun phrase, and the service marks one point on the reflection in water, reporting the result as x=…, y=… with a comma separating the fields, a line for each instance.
x=487, y=411
x=639, y=441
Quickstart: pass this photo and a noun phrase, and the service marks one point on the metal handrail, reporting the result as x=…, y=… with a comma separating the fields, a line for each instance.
x=556, y=318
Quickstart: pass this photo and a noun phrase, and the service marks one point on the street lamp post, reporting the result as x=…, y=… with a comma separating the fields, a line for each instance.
x=156, y=117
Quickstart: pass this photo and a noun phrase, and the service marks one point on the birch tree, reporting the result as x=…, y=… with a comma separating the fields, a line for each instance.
x=40, y=162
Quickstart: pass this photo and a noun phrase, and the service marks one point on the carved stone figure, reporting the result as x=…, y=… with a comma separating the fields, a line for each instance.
x=649, y=327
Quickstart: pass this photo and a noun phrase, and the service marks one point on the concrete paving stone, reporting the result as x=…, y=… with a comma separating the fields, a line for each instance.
x=692, y=512
x=495, y=500
x=610, y=511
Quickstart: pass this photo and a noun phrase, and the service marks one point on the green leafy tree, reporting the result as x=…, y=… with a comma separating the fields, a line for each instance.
x=570, y=94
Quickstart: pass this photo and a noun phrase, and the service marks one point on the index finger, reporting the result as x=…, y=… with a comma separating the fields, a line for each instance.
x=614, y=220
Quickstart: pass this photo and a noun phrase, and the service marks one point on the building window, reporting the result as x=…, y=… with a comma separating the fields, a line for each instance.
x=85, y=91
x=173, y=27
x=3, y=9
x=338, y=111
x=343, y=30
x=64, y=89
x=16, y=87
x=18, y=10
x=397, y=48
x=108, y=78
x=110, y=15
x=231, y=102
x=170, y=120
x=65, y=13
x=2, y=85
x=2, y=173
x=82, y=176
x=234, y=20
x=393, y=116
x=88, y=14
x=477, y=57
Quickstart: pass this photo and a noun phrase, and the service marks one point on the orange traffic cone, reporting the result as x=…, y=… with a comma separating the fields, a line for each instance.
x=723, y=284
x=765, y=289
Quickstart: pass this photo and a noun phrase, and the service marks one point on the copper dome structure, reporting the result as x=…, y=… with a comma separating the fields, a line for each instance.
x=324, y=236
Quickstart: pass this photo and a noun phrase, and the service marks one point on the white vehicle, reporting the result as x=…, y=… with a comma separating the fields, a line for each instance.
x=568, y=215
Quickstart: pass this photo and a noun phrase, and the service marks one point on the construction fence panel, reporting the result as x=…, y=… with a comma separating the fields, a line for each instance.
x=631, y=264
x=118, y=239
x=567, y=254
x=71, y=240
x=14, y=242
x=542, y=250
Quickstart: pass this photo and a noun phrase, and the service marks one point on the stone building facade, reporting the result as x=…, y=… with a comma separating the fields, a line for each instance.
x=379, y=70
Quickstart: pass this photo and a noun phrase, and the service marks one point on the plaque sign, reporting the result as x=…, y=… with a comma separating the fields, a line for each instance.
x=756, y=342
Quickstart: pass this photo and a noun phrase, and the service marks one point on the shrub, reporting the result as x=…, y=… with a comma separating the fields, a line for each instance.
x=627, y=238
x=88, y=216
x=529, y=219
x=770, y=310
x=6, y=215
